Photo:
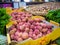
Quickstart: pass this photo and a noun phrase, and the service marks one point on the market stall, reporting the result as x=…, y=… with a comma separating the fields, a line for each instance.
x=27, y=22
x=34, y=25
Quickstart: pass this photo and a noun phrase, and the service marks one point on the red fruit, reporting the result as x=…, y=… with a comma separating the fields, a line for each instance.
x=27, y=29
x=16, y=37
x=25, y=35
x=44, y=30
x=39, y=35
x=17, y=33
x=49, y=31
x=28, y=15
x=12, y=31
x=27, y=26
x=18, y=15
x=49, y=26
x=37, y=20
x=22, y=28
x=37, y=23
x=36, y=31
x=32, y=26
x=22, y=17
x=19, y=20
x=29, y=23
x=31, y=30
x=20, y=39
x=12, y=27
x=30, y=20
x=35, y=27
x=12, y=36
x=12, y=19
x=39, y=27
x=21, y=13
x=21, y=23
x=30, y=34
x=43, y=25
x=34, y=23
x=15, y=22
x=20, y=34
x=24, y=20
x=13, y=15
x=18, y=27
x=34, y=35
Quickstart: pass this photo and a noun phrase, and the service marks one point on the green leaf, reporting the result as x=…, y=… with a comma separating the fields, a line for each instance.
x=4, y=19
x=54, y=15
x=58, y=41
x=58, y=15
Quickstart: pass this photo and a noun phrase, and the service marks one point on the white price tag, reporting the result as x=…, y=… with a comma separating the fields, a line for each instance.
x=16, y=5
x=22, y=4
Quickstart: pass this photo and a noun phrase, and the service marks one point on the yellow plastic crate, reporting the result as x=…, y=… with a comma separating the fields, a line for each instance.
x=40, y=41
x=8, y=10
x=39, y=17
x=55, y=23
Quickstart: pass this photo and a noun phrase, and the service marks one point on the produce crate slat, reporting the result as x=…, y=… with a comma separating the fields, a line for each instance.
x=8, y=39
x=55, y=23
